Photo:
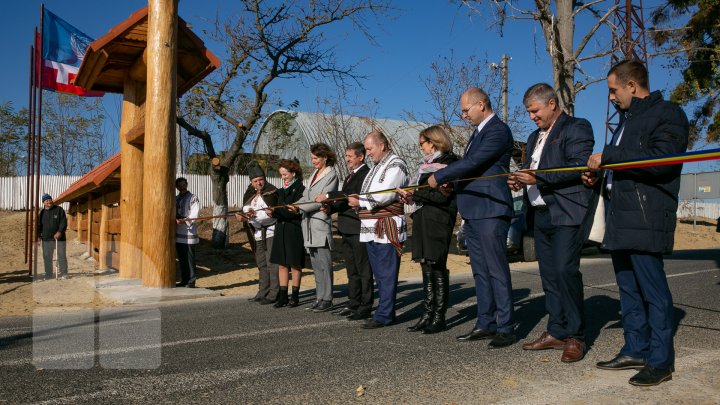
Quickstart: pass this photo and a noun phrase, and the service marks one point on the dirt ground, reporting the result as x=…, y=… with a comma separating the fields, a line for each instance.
x=231, y=271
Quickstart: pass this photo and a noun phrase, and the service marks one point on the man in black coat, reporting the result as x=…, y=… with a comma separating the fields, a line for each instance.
x=557, y=204
x=641, y=207
x=359, y=273
x=51, y=227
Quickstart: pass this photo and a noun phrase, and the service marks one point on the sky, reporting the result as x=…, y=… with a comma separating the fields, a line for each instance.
x=421, y=31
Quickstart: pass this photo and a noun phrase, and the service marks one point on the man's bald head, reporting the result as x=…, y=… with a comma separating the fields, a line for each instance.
x=475, y=106
x=376, y=145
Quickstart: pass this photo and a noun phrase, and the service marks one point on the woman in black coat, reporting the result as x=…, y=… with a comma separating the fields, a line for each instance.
x=432, y=228
x=287, y=250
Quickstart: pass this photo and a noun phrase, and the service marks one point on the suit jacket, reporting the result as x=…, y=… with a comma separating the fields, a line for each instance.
x=317, y=225
x=570, y=143
x=488, y=153
x=348, y=222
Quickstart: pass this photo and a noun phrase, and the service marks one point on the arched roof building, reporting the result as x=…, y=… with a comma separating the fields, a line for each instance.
x=289, y=134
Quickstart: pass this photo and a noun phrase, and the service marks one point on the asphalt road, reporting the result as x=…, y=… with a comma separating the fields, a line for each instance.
x=228, y=350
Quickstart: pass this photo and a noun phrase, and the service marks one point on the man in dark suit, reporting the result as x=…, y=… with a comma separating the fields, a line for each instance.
x=557, y=204
x=357, y=265
x=486, y=207
x=640, y=209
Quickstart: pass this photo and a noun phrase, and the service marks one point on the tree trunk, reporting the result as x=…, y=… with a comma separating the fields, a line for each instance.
x=564, y=63
x=220, y=178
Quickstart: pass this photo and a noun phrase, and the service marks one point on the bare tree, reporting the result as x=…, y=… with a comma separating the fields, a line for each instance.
x=557, y=21
x=447, y=80
x=73, y=137
x=267, y=40
x=13, y=128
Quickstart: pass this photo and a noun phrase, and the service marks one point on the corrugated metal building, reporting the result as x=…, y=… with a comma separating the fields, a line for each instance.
x=289, y=134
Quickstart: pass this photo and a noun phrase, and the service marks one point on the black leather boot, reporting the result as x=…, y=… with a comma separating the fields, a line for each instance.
x=295, y=299
x=427, y=301
x=282, y=300
x=441, y=287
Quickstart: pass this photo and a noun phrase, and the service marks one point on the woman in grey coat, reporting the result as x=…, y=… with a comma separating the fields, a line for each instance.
x=317, y=225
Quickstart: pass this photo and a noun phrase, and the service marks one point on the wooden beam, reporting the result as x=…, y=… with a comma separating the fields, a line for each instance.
x=159, y=159
x=131, y=187
x=89, y=225
x=136, y=135
x=138, y=70
x=104, y=247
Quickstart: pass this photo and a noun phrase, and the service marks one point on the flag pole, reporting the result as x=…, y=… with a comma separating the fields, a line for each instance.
x=38, y=128
x=29, y=163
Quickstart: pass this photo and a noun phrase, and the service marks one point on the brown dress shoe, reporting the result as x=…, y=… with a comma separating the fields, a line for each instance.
x=574, y=350
x=545, y=341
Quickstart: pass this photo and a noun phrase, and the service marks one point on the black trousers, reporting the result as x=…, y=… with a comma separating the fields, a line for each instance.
x=186, y=257
x=558, y=250
x=48, y=247
x=359, y=273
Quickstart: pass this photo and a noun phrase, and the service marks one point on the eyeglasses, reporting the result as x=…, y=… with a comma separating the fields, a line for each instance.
x=466, y=110
x=423, y=143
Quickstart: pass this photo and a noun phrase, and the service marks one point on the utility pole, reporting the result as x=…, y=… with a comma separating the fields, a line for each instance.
x=504, y=67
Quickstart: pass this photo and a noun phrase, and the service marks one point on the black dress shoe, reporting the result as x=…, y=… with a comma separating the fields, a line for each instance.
x=343, y=311
x=254, y=299
x=649, y=376
x=502, y=340
x=476, y=334
x=372, y=324
x=357, y=316
x=622, y=362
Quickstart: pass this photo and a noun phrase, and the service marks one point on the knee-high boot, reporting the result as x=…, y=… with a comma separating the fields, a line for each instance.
x=295, y=298
x=441, y=289
x=427, y=301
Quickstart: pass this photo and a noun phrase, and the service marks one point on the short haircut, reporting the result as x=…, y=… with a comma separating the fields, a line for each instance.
x=324, y=151
x=542, y=92
x=630, y=70
x=377, y=136
x=438, y=137
x=179, y=180
x=293, y=166
x=358, y=148
x=477, y=94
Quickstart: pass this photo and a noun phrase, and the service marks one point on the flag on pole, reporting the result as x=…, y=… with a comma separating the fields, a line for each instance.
x=63, y=49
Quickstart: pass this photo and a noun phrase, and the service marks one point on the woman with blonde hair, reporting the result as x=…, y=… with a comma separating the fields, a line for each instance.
x=435, y=212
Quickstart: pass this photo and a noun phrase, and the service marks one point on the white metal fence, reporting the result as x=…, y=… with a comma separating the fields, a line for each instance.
x=13, y=189
x=689, y=208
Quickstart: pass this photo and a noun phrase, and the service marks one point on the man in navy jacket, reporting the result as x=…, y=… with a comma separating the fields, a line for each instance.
x=486, y=207
x=641, y=207
x=557, y=204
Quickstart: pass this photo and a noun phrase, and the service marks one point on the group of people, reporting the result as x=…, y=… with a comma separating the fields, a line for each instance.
x=372, y=204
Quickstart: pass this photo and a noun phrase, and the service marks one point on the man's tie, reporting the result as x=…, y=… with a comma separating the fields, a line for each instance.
x=472, y=137
x=348, y=178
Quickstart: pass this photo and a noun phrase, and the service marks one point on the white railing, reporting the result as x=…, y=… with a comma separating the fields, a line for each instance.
x=689, y=209
x=13, y=189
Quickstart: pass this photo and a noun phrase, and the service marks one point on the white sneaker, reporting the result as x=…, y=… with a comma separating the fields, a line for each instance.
x=63, y=277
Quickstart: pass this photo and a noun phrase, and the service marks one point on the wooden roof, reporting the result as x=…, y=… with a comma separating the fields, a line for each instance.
x=106, y=174
x=109, y=58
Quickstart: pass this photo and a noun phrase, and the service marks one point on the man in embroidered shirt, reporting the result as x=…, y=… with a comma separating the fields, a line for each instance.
x=260, y=195
x=187, y=208
x=382, y=223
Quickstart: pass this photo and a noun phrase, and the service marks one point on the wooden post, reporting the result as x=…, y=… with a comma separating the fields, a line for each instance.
x=159, y=159
x=131, y=182
x=78, y=224
x=104, y=247
x=89, y=224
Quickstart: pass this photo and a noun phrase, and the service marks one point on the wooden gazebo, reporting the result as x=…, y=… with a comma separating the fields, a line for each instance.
x=151, y=58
